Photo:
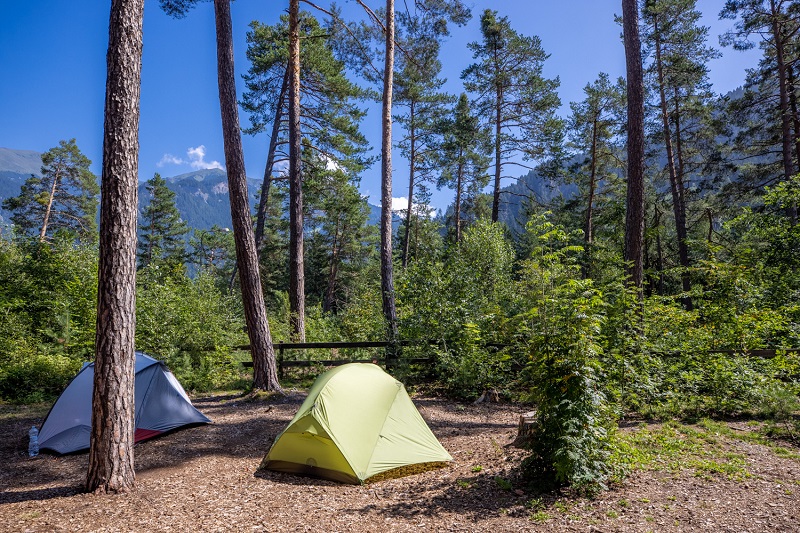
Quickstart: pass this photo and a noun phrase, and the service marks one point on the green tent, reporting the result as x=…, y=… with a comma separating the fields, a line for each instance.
x=357, y=421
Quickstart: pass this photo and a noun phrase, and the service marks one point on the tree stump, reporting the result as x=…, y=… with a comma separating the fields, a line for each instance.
x=489, y=396
x=526, y=429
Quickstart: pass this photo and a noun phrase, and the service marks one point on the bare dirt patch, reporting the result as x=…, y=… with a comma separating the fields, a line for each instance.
x=206, y=479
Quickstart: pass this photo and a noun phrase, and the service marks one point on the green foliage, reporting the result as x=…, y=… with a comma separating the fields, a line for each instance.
x=48, y=293
x=188, y=323
x=32, y=378
x=461, y=303
x=162, y=237
x=63, y=198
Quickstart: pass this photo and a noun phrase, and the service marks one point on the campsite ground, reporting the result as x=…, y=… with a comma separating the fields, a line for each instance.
x=708, y=477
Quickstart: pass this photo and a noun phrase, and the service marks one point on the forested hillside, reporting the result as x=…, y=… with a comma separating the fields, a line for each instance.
x=630, y=271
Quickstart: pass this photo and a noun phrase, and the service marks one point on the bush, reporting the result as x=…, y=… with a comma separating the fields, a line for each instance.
x=36, y=378
x=559, y=335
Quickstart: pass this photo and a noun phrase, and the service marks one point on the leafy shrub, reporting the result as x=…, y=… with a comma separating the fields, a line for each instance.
x=36, y=378
x=559, y=335
x=462, y=302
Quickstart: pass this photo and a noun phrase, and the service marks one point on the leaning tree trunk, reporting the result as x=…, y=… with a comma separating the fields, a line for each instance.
x=297, y=288
x=786, y=145
x=498, y=166
x=111, y=442
x=387, y=274
x=674, y=182
x=263, y=201
x=412, y=166
x=49, y=208
x=680, y=211
x=634, y=211
x=265, y=371
x=459, y=187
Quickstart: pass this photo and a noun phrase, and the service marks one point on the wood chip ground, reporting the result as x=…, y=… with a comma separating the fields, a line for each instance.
x=206, y=479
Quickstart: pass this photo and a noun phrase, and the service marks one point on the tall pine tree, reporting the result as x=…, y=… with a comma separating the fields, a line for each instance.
x=63, y=198
x=162, y=233
x=513, y=96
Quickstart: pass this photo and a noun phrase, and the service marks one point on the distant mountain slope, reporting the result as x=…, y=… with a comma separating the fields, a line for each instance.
x=15, y=167
x=22, y=162
x=202, y=197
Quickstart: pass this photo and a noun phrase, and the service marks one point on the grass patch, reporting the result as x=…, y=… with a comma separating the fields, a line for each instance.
x=675, y=447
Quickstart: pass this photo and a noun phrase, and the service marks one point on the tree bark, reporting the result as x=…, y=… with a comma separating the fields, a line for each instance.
x=387, y=271
x=111, y=467
x=634, y=212
x=265, y=371
x=263, y=201
x=792, y=82
x=297, y=291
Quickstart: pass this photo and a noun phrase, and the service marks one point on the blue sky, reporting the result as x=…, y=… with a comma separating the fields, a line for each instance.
x=52, y=61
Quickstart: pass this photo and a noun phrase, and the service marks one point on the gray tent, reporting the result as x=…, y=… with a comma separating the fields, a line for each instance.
x=161, y=405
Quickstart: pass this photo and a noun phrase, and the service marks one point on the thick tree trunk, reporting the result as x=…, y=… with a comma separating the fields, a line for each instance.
x=297, y=290
x=634, y=212
x=263, y=202
x=265, y=371
x=387, y=273
x=412, y=167
x=111, y=466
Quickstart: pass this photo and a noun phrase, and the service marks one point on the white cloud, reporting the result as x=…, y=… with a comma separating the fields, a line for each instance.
x=169, y=159
x=196, y=159
x=401, y=204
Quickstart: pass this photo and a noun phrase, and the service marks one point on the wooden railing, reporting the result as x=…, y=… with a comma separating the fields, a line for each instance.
x=283, y=363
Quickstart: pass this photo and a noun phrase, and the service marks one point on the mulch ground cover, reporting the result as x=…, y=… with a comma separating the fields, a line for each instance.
x=207, y=479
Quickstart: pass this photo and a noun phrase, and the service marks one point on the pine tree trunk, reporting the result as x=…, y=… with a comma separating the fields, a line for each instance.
x=387, y=274
x=111, y=467
x=297, y=290
x=263, y=202
x=634, y=212
x=265, y=371
x=412, y=159
x=659, y=252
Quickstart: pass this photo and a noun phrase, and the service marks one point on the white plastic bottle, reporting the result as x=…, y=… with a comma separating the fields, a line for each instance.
x=33, y=443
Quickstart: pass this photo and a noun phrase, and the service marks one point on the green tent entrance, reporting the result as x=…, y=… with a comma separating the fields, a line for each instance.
x=356, y=422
